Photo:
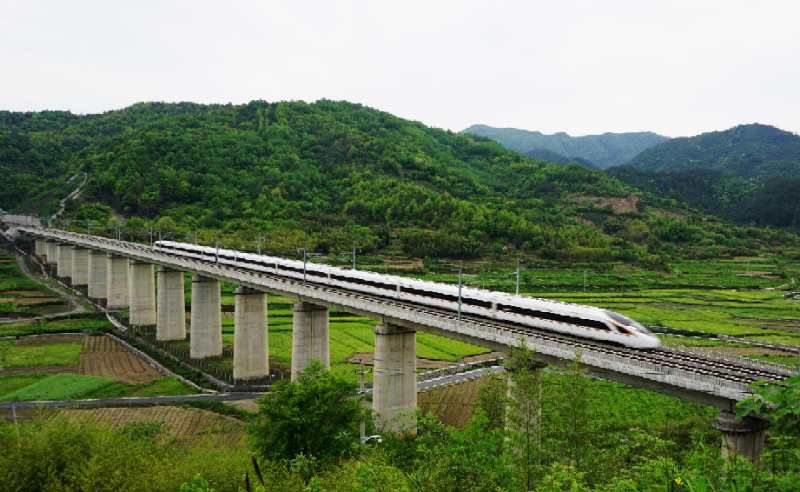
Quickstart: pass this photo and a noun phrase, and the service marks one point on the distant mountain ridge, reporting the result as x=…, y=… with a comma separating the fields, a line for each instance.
x=753, y=150
x=748, y=173
x=603, y=151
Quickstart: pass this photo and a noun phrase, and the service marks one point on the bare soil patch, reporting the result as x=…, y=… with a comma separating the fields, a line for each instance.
x=176, y=422
x=39, y=340
x=104, y=356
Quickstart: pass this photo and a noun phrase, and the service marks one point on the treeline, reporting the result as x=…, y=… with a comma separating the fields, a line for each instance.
x=330, y=175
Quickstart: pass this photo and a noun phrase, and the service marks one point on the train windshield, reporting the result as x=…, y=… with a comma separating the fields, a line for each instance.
x=624, y=320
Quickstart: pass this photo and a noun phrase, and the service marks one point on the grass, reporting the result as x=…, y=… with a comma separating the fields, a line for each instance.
x=71, y=325
x=59, y=387
x=78, y=386
x=52, y=354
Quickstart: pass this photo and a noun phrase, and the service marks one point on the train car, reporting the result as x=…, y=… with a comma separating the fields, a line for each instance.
x=572, y=319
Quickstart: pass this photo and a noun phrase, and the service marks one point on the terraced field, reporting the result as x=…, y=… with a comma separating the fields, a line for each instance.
x=171, y=422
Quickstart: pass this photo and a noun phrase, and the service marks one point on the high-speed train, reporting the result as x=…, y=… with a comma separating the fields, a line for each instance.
x=571, y=319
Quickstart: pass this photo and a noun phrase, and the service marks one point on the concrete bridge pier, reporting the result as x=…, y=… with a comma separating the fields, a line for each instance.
x=142, y=294
x=394, y=389
x=171, y=311
x=206, y=322
x=51, y=261
x=744, y=437
x=251, y=338
x=310, y=337
x=117, y=282
x=38, y=248
x=80, y=268
x=64, y=263
x=98, y=289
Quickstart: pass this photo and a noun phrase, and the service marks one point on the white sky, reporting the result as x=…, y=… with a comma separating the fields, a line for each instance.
x=674, y=67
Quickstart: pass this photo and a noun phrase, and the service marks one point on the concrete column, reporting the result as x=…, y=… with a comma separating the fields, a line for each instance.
x=98, y=289
x=142, y=294
x=394, y=388
x=310, y=339
x=80, y=267
x=744, y=437
x=171, y=312
x=52, y=257
x=117, y=281
x=251, y=339
x=64, y=262
x=206, y=322
x=38, y=247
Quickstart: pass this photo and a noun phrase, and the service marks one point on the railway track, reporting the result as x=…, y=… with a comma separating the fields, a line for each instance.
x=739, y=371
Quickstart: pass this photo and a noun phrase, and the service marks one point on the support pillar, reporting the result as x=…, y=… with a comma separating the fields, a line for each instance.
x=98, y=288
x=744, y=437
x=64, y=263
x=142, y=294
x=394, y=389
x=52, y=256
x=206, y=322
x=38, y=248
x=171, y=312
x=251, y=339
x=310, y=338
x=80, y=267
x=117, y=281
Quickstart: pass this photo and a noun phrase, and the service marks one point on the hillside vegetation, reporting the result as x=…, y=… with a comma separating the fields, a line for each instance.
x=749, y=174
x=328, y=175
x=603, y=151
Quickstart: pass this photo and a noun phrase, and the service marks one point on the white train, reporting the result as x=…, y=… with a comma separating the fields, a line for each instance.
x=571, y=319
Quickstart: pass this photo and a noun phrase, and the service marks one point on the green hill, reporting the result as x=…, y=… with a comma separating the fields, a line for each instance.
x=753, y=150
x=330, y=174
x=749, y=174
x=603, y=151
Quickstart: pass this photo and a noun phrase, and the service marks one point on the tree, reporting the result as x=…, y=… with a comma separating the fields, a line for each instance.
x=317, y=416
x=779, y=402
x=523, y=419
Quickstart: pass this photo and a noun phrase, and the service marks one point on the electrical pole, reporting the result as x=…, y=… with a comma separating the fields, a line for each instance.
x=260, y=240
x=516, y=274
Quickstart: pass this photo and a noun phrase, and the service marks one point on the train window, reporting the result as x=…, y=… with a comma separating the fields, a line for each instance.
x=361, y=281
x=427, y=293
x=560, y=318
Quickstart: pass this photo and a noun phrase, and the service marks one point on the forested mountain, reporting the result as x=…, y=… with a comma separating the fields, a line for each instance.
x=746, y=150
x=550, y=156
x=330, y=174
x=603, y=151
x=749, y=173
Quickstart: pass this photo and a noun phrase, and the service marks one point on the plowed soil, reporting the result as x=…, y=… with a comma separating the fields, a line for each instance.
x=104, y=356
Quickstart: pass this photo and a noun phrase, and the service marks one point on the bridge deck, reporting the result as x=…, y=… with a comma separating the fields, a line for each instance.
x=709, y=380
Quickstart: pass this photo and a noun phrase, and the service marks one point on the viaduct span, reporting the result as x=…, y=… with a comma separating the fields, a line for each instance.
x=150, y=284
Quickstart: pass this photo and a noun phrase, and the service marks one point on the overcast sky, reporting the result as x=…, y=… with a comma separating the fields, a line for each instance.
x=674, y=67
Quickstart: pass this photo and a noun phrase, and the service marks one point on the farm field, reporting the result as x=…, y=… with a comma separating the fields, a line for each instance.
x=21, y=297
x=77, y=366
x=169, y=422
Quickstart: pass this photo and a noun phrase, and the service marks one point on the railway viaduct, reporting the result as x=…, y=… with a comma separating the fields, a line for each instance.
x=150, y=285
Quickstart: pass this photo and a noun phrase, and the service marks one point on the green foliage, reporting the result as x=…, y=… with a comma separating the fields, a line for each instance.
x=748, y=174
x=779, y=402
x=59, y=387
x=324, y=176
x=60, y=454
x=316, y=416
